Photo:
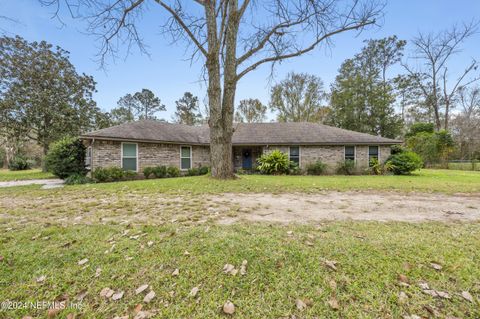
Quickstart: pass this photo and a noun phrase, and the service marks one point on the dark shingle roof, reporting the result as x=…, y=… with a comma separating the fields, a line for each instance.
x=244, y=134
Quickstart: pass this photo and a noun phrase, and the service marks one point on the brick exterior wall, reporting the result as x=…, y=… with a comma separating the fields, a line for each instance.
x=108, y=153
x=331, y=155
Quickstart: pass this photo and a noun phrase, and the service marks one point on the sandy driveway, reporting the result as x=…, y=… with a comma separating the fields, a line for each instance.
x=380, y=206
x=47, y=183
x=92, y=207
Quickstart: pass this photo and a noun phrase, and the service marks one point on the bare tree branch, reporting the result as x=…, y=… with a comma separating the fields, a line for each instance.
x=281, y=57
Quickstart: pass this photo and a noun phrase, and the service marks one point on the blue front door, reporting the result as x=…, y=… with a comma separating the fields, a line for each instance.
x=247, y=159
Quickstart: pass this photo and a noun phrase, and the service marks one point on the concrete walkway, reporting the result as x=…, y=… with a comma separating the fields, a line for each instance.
x=47, y=183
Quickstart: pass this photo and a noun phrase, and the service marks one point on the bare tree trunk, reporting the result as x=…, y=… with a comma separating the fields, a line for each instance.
x=221, y=110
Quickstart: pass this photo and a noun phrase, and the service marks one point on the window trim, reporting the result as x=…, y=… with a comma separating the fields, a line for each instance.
x=299, y=153
x=191, y=158
x=378, y=152
x=136, y=155
x=88, y=159
x=354, y=152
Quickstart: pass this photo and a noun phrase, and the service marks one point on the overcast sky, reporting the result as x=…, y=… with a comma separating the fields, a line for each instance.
x=168, y=73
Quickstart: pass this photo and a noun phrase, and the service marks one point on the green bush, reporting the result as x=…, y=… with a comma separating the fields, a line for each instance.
x=317, y=168
x=147, y=171
x=66, y=157
x=173, y=171
x=204, y=170
x=20, y=163
x=112, y=174
x=397, y=149
x=346, y=167
x=160, y=171
x=77, y=179
x=192, y=172
x=405, y=163
x=274, y=162
x=294, y=169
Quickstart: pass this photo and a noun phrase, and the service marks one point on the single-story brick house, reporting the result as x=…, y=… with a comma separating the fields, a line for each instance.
x=136, y=145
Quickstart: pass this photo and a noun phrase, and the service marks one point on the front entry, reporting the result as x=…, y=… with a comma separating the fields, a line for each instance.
x=247, y=158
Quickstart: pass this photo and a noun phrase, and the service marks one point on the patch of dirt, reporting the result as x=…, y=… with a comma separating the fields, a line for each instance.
x=377, y=206
x=92, y=207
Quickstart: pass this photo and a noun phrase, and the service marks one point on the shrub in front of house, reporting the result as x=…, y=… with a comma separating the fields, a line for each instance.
x=197, y=171
x=66, y=157
x=204, y=170
x=294, y=169
x=405, y=163
x=375, y=167
x=274, y=163
x=20, y=163
x=147, y=172
x=317, y=168
x=192, y=172
x=160, y=171
x=112, y=174
x=173, y=171
x=77, y=179
x=346, y=167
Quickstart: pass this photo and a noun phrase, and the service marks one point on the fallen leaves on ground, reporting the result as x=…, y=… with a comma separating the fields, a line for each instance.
x=81, y=295
x=229, y=308
x=243, y=268
x=467, y=296
x=331, y=264
x=193, y=292
x=83, y=261
x=41, y=278
x=436, y=266
x=300, y=304
x=118, y=295
x=148, y=297
x=106, y=292
x=230, y=269
x=141, y=289
x=402, y=297
x=333, y=303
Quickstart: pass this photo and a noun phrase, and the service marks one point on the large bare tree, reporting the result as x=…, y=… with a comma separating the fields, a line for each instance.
x=231, y=38
x=433, y=52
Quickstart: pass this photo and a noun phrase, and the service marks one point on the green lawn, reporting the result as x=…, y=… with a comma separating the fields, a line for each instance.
x=428, y=180
x=47, y=232
x=7, y=175
x=282, y=267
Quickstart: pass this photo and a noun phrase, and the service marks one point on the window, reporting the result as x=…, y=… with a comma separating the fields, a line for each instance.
x=88, y=157
x=185, y=157
x=372, y=153
x=295, y=154
x=350, y=153
x=129, y=156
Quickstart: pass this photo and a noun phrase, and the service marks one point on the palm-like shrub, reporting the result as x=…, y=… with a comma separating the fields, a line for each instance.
x=273, y=163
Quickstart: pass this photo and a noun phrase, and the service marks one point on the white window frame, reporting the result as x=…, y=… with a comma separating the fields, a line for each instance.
x=191, y=158
x=378, y=153
x=354, y=152
x=136, y=155
x=299, y=153
x=88, y=159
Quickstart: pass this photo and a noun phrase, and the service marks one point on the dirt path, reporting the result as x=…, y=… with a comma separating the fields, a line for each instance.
x=47, y=183
x=93, y=207
x=380, y=206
